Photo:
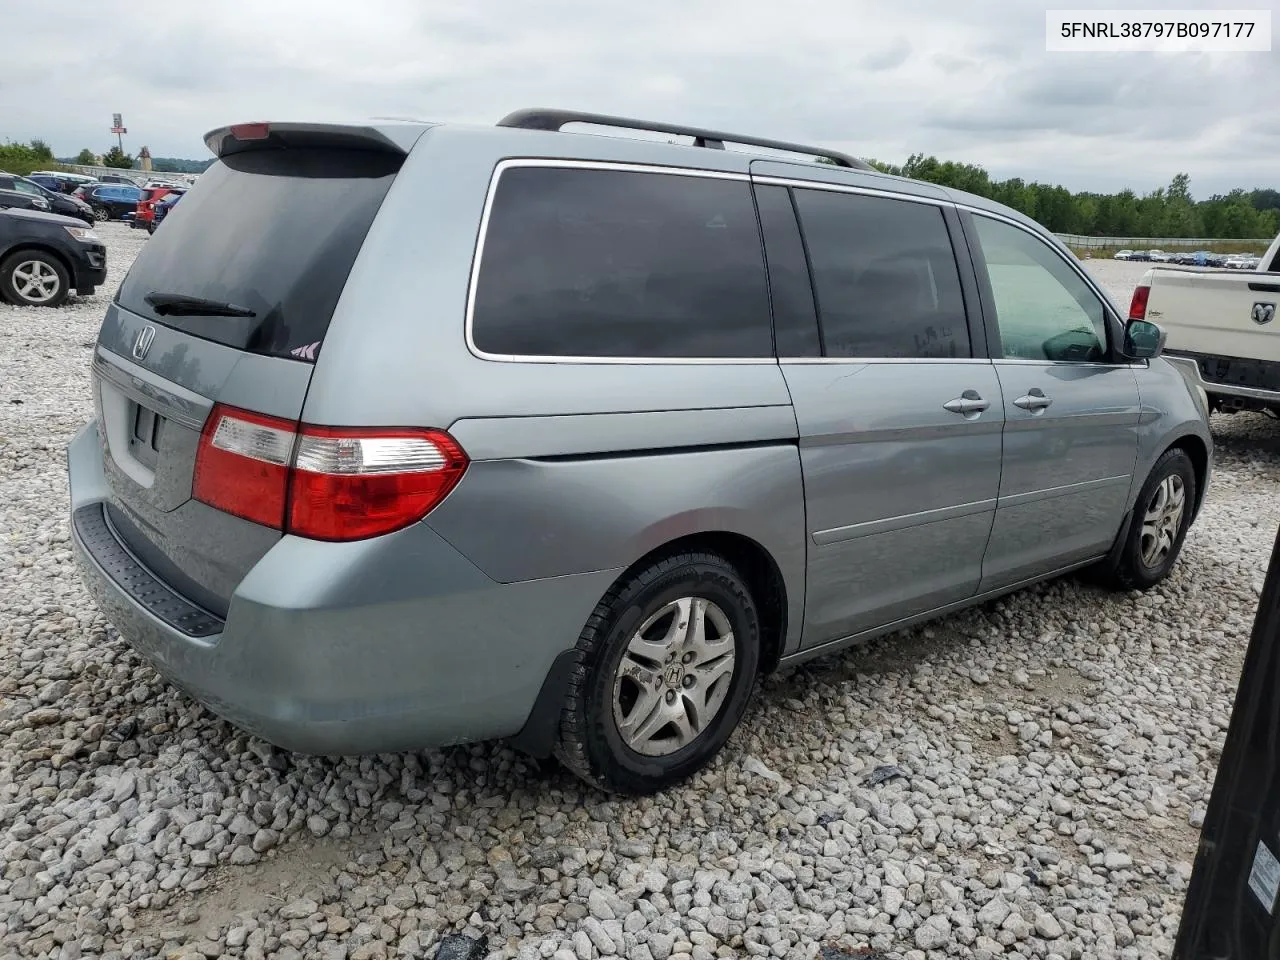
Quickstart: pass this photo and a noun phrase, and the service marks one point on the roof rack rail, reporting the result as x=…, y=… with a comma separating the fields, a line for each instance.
x=554, y=120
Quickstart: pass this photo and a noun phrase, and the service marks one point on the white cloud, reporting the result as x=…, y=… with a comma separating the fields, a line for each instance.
x=962, y=81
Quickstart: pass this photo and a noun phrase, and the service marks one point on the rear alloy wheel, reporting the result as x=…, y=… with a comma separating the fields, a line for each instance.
x=666, y=666
x=1158, y=525
x=100, y=214
x=34, y=279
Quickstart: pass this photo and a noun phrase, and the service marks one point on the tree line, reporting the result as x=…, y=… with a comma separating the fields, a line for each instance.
x=23, y=158
x=1165, y=212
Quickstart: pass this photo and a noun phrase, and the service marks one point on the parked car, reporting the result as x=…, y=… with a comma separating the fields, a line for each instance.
x=1221, y=328
x=152, y=194
x=16, y=200
x=625, y=463
x=79, y=178
x=60, y=203
x=43, y=257
x=54, y=182
x=162, y=207
x=1158, y=256
x=1242, y=261
x=24, y=197
x=118, y=178
x=111, y=201
x=1123, y=255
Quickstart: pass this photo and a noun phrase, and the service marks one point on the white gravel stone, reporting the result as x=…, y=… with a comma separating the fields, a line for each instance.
x=1053, y=746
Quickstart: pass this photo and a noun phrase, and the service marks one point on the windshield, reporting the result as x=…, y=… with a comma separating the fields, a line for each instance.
x=273, y=233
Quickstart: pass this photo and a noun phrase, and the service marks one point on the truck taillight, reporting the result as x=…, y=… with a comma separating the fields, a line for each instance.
x=324, y=483
x=1138, y=305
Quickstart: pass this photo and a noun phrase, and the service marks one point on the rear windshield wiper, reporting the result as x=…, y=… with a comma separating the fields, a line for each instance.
x=179, y=305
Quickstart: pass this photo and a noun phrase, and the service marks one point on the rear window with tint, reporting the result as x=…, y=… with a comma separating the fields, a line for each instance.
x=272, y=231
x=604, y=263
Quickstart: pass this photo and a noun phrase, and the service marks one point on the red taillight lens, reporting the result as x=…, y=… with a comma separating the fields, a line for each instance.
x=1138, y=306
x=242, y=466
x=250, y=131
x=353, y=483
x=325, y=483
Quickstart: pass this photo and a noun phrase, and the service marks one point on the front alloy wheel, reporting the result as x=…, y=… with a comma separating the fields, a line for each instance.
x=1163, y=520
x=34, y=279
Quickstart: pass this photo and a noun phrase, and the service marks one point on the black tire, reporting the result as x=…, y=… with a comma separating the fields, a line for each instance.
x=101, y=214
x=12, y=289
x=1131, y=571
x=590, y=743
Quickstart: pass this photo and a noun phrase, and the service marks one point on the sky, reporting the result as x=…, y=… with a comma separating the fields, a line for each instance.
x=968, y=81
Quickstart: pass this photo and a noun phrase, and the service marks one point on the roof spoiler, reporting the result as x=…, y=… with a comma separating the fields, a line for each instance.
x=242, y=137
x=554, y=120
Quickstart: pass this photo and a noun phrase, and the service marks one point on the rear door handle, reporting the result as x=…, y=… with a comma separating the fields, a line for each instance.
x=969, y=404
x=1035, y=401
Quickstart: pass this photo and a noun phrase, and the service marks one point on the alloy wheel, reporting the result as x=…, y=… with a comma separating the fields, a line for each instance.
x=35, y=281
x=674, y=676
x=1162, y=520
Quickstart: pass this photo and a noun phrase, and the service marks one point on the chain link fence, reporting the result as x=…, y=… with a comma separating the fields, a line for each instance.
x=1150, y=243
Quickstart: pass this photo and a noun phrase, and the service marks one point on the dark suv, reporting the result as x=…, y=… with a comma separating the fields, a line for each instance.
x=110, y=201
x=43, y=257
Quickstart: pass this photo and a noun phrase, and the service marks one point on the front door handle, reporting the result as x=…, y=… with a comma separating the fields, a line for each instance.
x=1035, y=401
x=969, y=404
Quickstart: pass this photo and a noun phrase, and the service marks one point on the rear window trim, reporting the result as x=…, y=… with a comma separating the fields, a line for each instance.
x=565, y=164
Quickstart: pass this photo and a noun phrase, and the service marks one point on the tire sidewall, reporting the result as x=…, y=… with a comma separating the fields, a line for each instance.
x=603, y=742
x=1173, y=462
x=10, y=292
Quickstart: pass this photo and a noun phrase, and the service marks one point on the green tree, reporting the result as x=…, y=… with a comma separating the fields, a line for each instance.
x=86, y=157
x=115, y=157
x=22, y=158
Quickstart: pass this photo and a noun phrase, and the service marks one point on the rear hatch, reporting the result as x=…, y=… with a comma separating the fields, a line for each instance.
x=227, y=309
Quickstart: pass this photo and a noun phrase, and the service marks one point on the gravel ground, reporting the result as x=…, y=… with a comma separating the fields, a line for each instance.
x=1057, y=750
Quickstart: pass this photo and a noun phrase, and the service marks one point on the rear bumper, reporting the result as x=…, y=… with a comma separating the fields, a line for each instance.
x=390, y=644
x=1247, y=379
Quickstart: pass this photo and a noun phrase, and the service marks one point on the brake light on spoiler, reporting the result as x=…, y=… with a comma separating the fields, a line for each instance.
x=324, y=483
x=250, y=131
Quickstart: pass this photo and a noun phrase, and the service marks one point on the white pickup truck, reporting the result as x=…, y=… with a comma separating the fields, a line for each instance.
x=1222, y=326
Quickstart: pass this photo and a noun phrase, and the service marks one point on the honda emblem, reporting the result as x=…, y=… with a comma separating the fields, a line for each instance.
x=142, y=342
x=1264, y=313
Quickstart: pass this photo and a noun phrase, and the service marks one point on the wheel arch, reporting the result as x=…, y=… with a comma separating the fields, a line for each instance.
x=1198, y=450
x=748, y=556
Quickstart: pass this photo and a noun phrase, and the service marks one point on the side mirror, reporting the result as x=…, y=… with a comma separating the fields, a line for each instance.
x=1143, y=340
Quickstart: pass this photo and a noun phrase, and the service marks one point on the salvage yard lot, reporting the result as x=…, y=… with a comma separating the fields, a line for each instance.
x=1058, y=748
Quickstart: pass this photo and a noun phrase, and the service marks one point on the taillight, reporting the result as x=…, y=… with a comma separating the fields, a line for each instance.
x=324, y=483
x=242, y=466
x=1138, y=305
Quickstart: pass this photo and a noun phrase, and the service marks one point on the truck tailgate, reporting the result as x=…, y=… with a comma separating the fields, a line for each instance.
x=1217, y=313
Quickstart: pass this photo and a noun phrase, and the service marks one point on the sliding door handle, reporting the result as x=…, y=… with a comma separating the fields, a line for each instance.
x=1035, y=401
x=969, y=404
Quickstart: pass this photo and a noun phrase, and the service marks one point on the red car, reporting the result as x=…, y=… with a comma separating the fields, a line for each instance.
x=152, y=193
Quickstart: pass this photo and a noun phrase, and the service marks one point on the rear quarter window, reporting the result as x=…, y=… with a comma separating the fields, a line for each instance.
x=611, y=263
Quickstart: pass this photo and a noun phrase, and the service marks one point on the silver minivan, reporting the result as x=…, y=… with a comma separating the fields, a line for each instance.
x=411, y=435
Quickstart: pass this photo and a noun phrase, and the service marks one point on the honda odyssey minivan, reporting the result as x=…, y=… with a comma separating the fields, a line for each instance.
x=411, y=434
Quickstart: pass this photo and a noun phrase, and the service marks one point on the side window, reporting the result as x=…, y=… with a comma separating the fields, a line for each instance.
x=6, y=183
x=29, y=188
x=611, y=263
x=795, y=322
x=1045, y=309
x=885, y=276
